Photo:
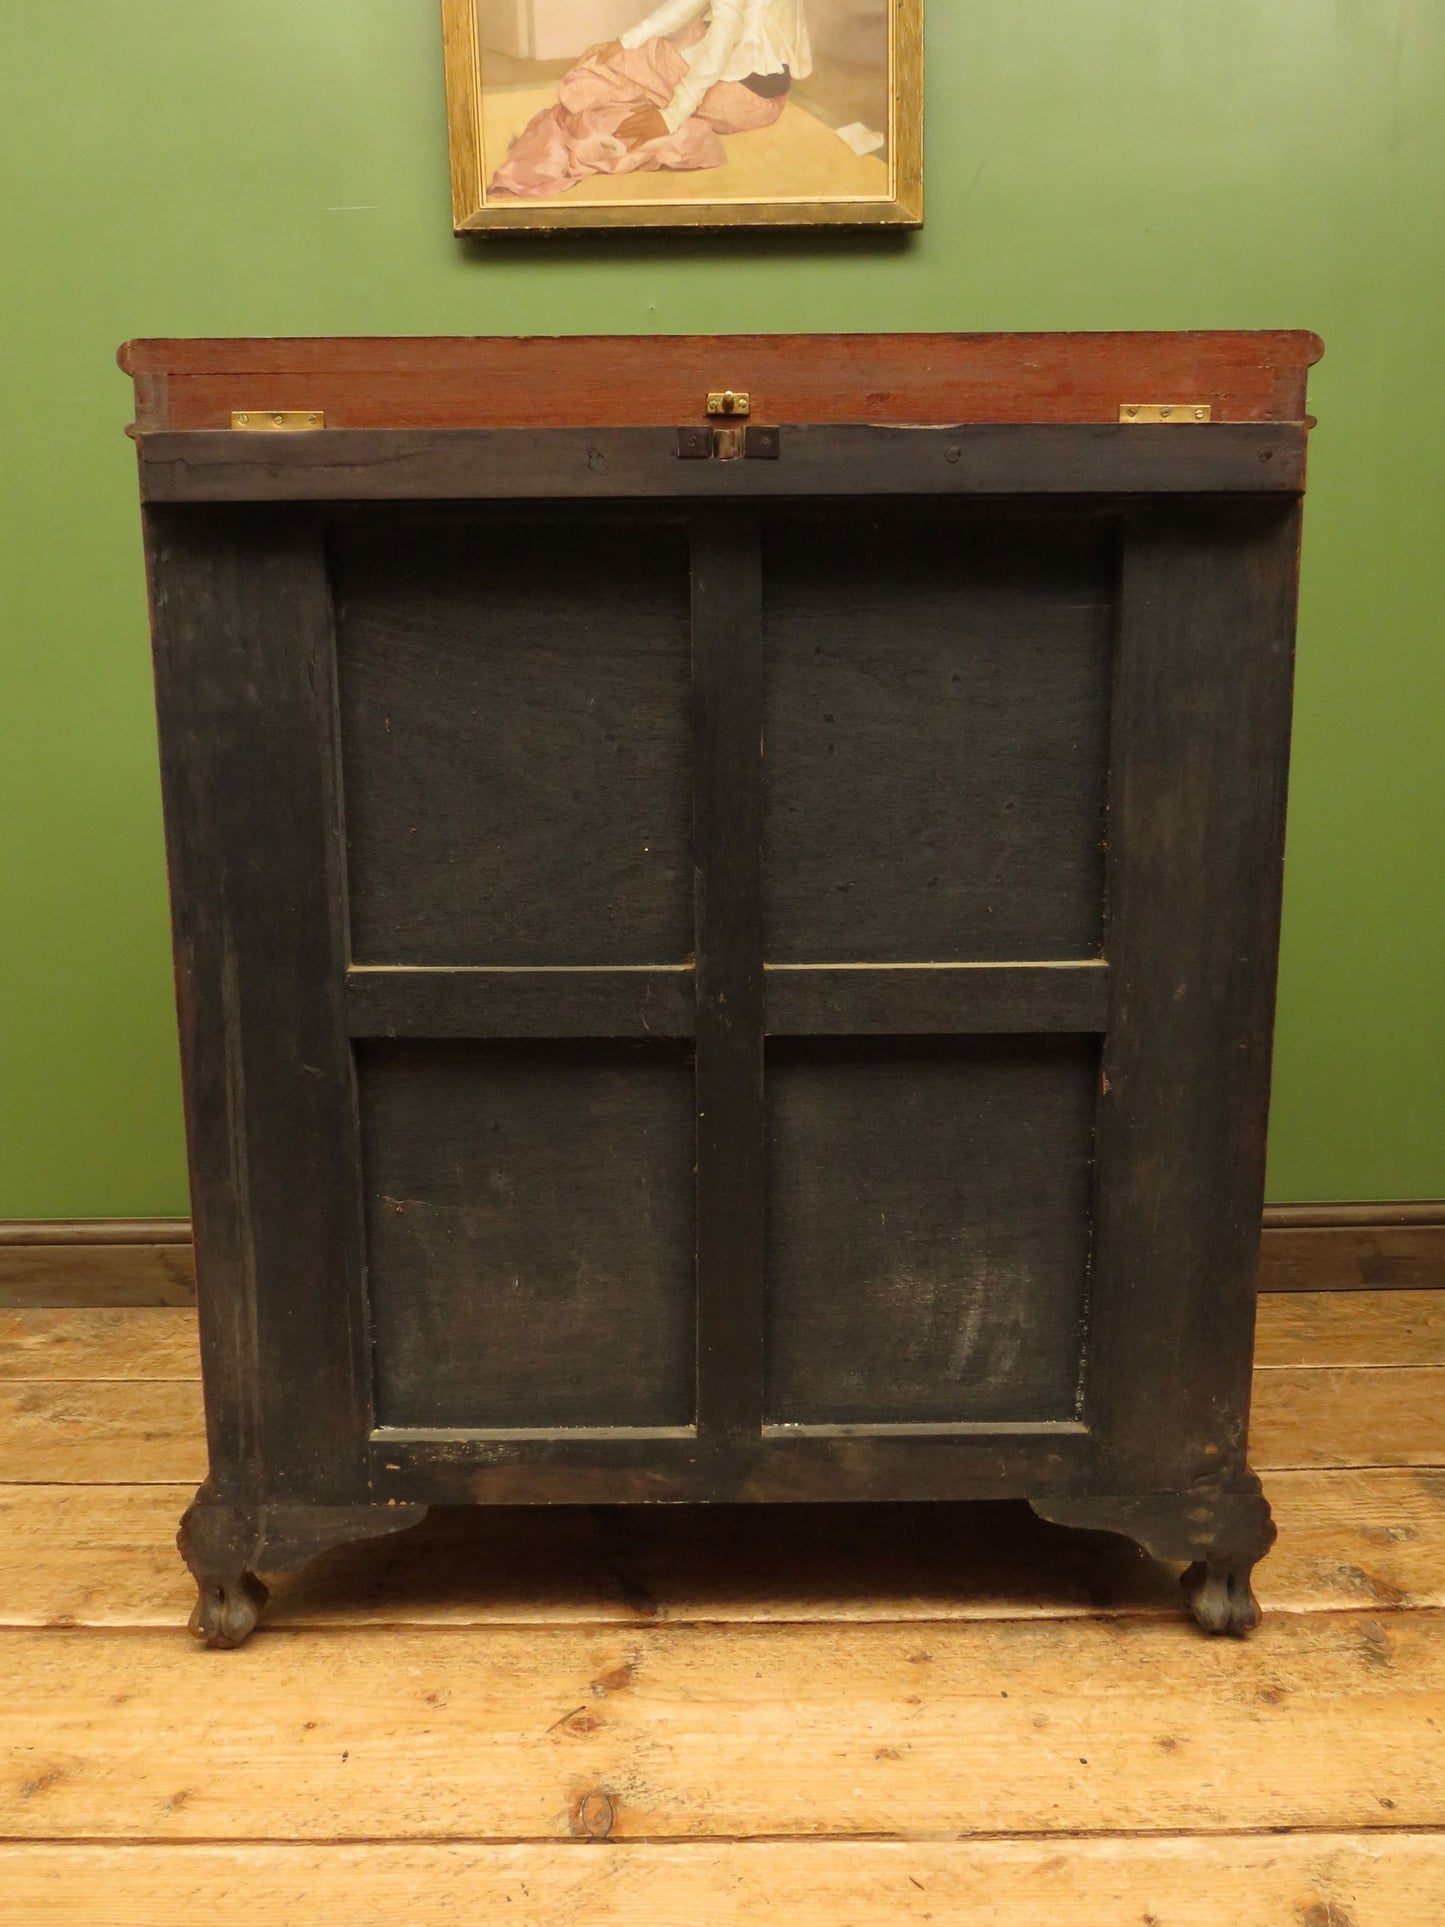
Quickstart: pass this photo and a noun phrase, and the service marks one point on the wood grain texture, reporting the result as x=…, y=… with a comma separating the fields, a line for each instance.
x=1342, y=1415
x=255, y=861
x=481, y=381
x=530, y=1233
x=1354, y=1255
x=612, y=464
x=124, y=1343
x=636, y=1001
x=1324, y=1721
x=1318, y=1880
x=72, y=1431
x=91, y=1273
x=935, y=1000
x=104, y=1555
x=78, y=1432
x=1328, y=1256
x=728, y=725
x=937, y=704
x=515, y=739
x=928, y=1228
x=1200, y=757
x=1328, y=1328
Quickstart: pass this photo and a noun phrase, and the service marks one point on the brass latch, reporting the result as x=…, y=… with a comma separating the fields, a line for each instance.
x=728, y=401
x=276, y=421
x=1164, y=411
x=743, y=443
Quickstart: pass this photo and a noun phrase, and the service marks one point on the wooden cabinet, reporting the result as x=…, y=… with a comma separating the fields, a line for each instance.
x=725, y=958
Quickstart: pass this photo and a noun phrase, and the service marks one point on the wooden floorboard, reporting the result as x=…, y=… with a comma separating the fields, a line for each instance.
x=1344, y=1415
x=1021, y=1727
x=813, y=1717
x=99, y=1343
x=106, y=1556
x=101, y=1431
x=1323, y=1328
x=113, y=1431
x=1317, y=1880
x=1295, y=1329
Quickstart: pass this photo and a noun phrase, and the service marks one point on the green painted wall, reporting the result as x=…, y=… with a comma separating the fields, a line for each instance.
x=279, y=167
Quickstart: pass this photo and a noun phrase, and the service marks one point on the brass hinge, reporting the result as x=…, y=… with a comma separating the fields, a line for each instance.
x=728, y=401
x=1164, y=411
x=276, y=421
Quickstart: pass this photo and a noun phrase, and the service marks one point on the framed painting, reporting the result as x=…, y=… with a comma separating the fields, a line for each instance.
x=684, y=113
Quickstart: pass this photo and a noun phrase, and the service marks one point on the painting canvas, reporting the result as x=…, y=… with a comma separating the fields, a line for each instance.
x=699, y=113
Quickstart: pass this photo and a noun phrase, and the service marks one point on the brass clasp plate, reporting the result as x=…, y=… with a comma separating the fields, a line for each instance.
x=728, y=401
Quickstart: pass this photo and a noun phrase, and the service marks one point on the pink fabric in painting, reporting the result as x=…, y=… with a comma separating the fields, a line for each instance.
x=562, y=145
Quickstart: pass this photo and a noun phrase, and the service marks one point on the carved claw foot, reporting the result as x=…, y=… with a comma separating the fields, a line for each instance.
x=227, y=1609
x=1220, y=1598
x=226, y=1544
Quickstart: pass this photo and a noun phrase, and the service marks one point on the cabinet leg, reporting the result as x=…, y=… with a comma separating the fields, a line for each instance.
x=227, y=1608
x=1218, y=1533
x=1220, y=1597
x=226, y=1544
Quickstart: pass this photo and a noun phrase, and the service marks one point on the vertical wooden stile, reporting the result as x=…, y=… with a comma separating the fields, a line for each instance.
x=728, y=827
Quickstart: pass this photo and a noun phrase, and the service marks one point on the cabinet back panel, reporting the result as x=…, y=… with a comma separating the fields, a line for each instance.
x=937, y=706
x=515, y=702
x=928, y=1228
x=530, y=1233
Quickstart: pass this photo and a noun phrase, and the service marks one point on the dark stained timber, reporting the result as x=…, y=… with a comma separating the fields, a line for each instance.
x=530, y=1233
x=728, y=710
x=1201, y=758
x=708, y=979
x=928, y=1228
x=937, y=735
x=638, y=1001
x=516, y=738
x=610, y=464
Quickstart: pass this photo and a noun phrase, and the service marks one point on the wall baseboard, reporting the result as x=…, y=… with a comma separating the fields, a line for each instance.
x=1352, y=1247
x=148, y=1261
x=57, y=1262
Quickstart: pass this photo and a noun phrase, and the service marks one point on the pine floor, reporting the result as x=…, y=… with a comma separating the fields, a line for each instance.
x=781, y=1717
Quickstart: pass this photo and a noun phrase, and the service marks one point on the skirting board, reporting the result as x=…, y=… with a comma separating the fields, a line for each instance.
x=97, y=1261
x=148, y=1261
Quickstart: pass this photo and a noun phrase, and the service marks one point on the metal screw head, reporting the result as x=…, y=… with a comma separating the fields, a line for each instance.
x=243, y=419
x=278, y=419
x=1200, y=414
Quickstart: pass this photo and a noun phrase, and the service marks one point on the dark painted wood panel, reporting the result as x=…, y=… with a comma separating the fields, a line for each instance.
x=446, y=464
x=530, y=1241
x=859, y=1000
x=390, y=1001
x=928, y=1228
x=245, y=696
x=937, y=691
x=1201, y=756
x=491, y=381
x=728, y=716
x=624, y=1470
x=516, y=739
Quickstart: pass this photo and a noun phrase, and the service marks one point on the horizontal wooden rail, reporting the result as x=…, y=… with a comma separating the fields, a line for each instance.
x=569, y=464
x=611, y=1001
x=802, y=1000
x=147, y=1261
x=845, y=1000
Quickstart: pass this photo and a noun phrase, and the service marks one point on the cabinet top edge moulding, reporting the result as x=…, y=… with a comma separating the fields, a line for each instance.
x=600, y=381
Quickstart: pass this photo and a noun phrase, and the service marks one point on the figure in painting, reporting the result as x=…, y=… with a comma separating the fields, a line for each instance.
x=663, y=94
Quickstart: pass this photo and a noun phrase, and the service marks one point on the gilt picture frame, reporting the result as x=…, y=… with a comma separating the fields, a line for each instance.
x=693, y=113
